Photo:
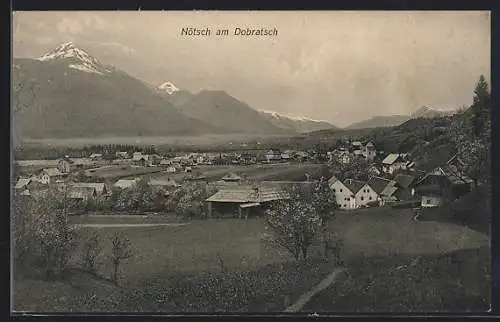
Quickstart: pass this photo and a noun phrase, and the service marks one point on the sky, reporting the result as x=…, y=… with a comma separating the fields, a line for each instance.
x=342, y=67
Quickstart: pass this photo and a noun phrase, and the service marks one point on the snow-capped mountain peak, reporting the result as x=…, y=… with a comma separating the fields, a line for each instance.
x=294, y=118
x=79, y=59
x=168, y=87
x=299, y=124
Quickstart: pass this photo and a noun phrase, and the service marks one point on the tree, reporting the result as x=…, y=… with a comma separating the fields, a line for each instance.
x=191, y=197
x=295, y=224
x=121, y=250
x=92, y=249
x=471, y=133
x=324, y=203
x=481, y=107
x=55, y=239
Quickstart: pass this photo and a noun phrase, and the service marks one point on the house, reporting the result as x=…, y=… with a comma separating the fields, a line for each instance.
x=382, y=188
x=24, y=186
x=273, y=155
x=163, y=186
x=241, y=200
x=22, y=183
x=373, y=170
x=65, y=165
x=171, y=169
x=126, y=183
x=286, y=156
x=95, y=156
x=82, y=193
x=231, y=177
x=356, y=145
x=392, y=163
x=442, y=184
x=165, y=163
x=406, y=190
x=122, y=154
x=369, y=151
x=345, y=192
x=99, y=188
x=51, y=175
x=138, y=156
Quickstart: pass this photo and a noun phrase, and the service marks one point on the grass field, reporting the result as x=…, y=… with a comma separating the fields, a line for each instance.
x=176, y=268
x=254, y=172
x=118, y=172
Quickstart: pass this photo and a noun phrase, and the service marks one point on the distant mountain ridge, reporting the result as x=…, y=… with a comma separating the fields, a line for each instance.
x=67, y=93
x=220, y=109
x=297, y=124
x=395, y=120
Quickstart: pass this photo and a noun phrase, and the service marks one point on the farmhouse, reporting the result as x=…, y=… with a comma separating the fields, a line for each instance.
x=243, y=199
x=442, y=184
x=384, y=189
x=231, y=177
x=345, y=192
x=404, y=182
x=163, y=186
x=126, y=183
x=171, y=169
x=25, y=186
x=51, y=175
x=65, y=165
x=122, y=154
x=96, y=156
x=369, y=151
x=273, y=155
x=392, y=163
x=82, y=193
x=98, y=187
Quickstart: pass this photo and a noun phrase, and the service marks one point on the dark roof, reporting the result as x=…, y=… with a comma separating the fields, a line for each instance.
x=353, y=185
x=404, y=180
x=378, y=184
x=434, y=188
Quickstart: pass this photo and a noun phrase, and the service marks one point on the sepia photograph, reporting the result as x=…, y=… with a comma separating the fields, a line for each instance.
x=278, y=162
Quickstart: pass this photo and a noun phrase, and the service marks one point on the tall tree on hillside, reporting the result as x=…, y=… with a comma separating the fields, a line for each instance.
x=481, y=108
x=471, y=133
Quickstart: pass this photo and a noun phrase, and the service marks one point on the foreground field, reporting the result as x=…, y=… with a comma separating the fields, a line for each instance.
x=178, y=268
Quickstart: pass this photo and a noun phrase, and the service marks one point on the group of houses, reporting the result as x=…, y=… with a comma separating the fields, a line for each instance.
x=348, y=152
x=430, y=189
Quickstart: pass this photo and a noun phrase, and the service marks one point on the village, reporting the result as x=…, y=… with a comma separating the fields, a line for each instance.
x=391, y=178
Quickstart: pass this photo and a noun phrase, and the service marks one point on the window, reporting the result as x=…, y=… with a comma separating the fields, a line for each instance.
x=340, y=190
x=428, y=201
x=362, y=198
x=345, y=206
x=370, y=198
x=333, y=189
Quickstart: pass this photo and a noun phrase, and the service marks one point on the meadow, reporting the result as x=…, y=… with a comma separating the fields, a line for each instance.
x=178, y=269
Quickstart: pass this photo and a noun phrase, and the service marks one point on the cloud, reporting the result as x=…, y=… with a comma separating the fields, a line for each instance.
x=71, y=26
x=85, y=23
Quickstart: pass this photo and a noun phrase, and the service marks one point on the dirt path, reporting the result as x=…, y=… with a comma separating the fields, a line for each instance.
x=304, y=298
x=126, y=225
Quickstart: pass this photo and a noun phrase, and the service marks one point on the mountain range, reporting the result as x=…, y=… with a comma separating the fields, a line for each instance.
x=395, y=120
x=68, y=93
